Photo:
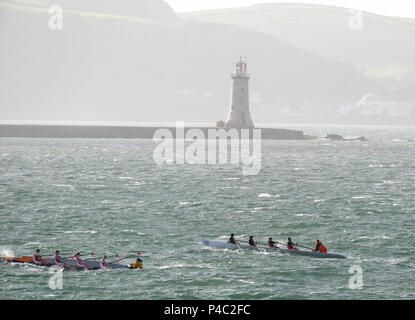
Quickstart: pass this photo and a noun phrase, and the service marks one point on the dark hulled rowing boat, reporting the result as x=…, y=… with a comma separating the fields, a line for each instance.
x=68, y=263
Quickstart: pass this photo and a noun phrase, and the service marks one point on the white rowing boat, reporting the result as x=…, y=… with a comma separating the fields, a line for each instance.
x=223, y=244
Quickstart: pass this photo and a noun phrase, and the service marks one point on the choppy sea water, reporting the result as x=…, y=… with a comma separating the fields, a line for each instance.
x=108, y=195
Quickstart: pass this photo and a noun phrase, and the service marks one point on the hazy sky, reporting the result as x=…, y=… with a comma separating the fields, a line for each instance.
x=403, y=8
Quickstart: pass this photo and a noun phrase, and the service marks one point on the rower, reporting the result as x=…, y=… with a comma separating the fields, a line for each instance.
x=320, y=247
x=57, y=259
x=103, y=264
x=251, y=241
x=137, y=264
x=79, y=262
x=271, y=243
x=37, y=258
x=232, y=239
x=290, y=245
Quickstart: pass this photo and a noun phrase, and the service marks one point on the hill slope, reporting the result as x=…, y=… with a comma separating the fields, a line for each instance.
x=106, y=67
x=332, y=32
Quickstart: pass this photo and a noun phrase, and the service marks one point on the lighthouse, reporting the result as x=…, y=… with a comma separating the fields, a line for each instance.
x=239, y=116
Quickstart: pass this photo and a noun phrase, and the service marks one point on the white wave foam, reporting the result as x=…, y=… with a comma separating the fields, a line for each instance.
x=80, y=231
x=69, y=186
x=245, y=281
x=264, y=195
x=172, y=266
x=6, y=252
x=134, y=231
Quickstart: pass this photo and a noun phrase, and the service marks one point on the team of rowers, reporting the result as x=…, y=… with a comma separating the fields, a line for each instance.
x=58, y=260
x=319, y=246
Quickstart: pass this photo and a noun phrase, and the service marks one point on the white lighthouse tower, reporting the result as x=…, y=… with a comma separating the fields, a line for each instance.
x=239, y=116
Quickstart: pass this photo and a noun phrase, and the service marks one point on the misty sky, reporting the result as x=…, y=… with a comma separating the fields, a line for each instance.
x=403, y=8
x=143, y=63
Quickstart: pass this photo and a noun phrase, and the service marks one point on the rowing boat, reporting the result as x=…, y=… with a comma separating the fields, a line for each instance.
x=223, y=244
x=69, y=263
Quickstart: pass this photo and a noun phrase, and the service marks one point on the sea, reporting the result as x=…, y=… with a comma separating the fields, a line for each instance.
x=109, y=196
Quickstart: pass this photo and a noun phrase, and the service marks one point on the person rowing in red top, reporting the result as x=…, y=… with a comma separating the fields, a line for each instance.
x=251, y=241
x=103, y=264
x=79, y=262
x=290, y=245
x=57, y=259
x=271, y=243
x=37, y=258
x=320, y=247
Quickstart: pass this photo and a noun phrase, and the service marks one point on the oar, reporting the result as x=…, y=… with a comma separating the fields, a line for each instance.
x=283, y=244
x=299, y=245
x=129, y=256
x=294, y=244
x=118, y=260
x=50, y=255
x=266, y=244
x=100, y=255
x=250, y=244
x=116, y=255
x=84, y=254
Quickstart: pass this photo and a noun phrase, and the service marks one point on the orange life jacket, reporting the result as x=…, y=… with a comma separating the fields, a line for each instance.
x=323, y=248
